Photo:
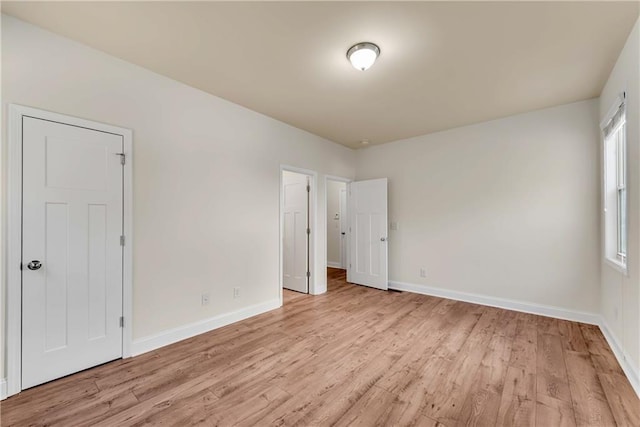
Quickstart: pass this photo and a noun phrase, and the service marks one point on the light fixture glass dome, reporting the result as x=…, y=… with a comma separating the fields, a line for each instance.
x=363, y=55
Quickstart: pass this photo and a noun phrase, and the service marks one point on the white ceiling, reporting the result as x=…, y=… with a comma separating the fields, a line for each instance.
x=442, y=64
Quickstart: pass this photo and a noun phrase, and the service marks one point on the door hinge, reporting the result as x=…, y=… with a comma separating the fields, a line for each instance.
x=123, y=158
x=121, y=240
x=308, y=274
x=122, y=321
x=308, y=231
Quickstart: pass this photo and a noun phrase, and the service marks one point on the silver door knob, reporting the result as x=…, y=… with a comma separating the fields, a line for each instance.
x=34, y=265
x=383, y=239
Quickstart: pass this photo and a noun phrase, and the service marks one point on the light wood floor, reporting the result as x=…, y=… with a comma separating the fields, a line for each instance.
x=354, y=356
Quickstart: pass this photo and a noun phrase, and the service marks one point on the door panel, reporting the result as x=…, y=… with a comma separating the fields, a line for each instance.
x=368, y=212
x=97, y=270
x=74, y=164
x=295, y=238
x=72, y=222
x=56, y=280
x=362, y=228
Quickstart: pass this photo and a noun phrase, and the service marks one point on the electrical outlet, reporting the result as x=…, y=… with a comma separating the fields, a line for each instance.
x=205, y=299
x=393, y=226
x=423, y=272
x=236, y=292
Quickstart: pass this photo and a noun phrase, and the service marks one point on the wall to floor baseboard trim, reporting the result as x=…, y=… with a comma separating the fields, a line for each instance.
x=170, y=336
x=509, y=304
x=632, y=373
x=334, y=265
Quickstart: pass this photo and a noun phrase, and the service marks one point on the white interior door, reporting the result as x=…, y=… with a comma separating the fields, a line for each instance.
x=295, y=192
x=368, y=225
x=71, y=254
x=343, y=228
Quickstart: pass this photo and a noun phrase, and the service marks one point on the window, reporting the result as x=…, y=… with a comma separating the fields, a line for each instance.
x=615, y=187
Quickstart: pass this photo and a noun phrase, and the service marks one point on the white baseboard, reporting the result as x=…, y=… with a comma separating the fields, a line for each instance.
x=334, y=265
x=3, y=388
x=632, y=372
x=170, y=336
x=509, y=304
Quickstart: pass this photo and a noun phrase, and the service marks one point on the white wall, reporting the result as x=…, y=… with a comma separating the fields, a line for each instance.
x=206, y=175
x=506, y=208
x=620, y=294
x=334, y=239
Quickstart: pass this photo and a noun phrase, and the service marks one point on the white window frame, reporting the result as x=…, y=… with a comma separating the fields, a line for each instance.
x=616, y=258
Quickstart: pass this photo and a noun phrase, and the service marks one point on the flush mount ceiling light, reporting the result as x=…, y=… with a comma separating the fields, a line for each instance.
x=363, y=55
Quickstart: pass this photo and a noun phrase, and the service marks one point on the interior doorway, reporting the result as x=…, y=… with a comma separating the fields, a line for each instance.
x=70, y=211
x=336, y=224
x=296, y=229
x=337, y=230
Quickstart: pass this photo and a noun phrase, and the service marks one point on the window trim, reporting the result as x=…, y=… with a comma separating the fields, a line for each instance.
x=617, y=265
x=619, y=261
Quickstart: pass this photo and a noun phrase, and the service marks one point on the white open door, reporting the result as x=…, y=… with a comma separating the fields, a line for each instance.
x=368, y=230
x=295, y=191
x=72, y=255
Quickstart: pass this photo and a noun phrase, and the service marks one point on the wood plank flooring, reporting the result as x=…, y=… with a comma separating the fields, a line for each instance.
x=354, y=356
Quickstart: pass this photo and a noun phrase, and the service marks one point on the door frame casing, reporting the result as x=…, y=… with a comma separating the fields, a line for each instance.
x=14, y=233
x=348, y=182
x=312, y=225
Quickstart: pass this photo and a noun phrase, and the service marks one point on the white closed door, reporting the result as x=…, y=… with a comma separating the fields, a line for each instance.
x=295, y=192
x=72, y=254
x=368, y=225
